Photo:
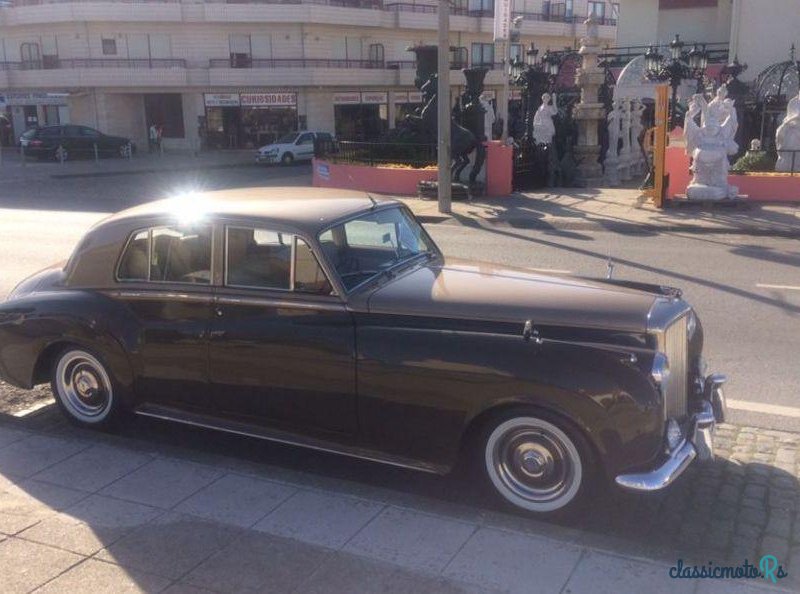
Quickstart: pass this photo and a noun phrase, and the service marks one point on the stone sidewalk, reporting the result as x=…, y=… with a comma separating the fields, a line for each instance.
x=617, y=210
x=158, y=508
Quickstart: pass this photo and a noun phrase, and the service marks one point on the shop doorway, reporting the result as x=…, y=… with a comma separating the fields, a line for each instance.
x=248, y=127
x=361, y=122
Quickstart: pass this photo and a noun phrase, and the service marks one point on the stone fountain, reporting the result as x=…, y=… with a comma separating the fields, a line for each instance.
x=590, y=112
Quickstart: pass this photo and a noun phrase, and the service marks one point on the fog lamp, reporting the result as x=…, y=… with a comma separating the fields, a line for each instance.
x=674, y=434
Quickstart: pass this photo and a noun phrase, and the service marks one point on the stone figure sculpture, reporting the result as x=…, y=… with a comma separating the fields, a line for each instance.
x=488, y=117
x=637, y=129
x=544, y=130
x=709, y=145
x=787, y=138
x=625, y=135
x=611, y=163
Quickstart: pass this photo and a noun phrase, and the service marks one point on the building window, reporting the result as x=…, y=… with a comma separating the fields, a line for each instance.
x=240, y=51
x=31, y=56
x=557, y=11
x=166, y=110
x=483, y=54
x=109, y=47
x=615, y=11
x=597, y=9
x=481, y=7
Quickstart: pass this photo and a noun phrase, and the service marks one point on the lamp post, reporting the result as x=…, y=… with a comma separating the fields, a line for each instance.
x=534, y=76
x=679, y=67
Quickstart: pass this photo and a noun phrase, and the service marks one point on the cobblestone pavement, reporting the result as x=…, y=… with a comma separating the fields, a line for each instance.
x=402, y=531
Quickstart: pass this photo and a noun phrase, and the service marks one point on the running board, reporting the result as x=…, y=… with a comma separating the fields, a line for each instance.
x=177, y=415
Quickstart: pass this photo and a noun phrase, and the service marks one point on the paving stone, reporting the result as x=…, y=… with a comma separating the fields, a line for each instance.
x=93, y=524
x=319, y=518
x=599, y=573
x=512, y=562
x=237, y=500
x=342, y=572
x=184, y=588
x=773, y=545
x=733, y=587
x=163, y=482
x=414, y=540
x=94, y=468
x=11, y=434
x=99, y=577
x=779, y=523
x=23, y=505
x=25, y=565
x=258, y=562
x=28, y=456
x=753, y=516
x=170, y=545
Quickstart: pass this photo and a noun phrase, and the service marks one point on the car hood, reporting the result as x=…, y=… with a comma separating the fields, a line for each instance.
x=482, y=291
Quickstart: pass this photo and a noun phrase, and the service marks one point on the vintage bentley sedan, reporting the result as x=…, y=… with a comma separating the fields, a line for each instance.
x=331, y=320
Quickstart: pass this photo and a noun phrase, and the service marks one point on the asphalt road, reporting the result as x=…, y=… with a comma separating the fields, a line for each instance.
x=745, y=289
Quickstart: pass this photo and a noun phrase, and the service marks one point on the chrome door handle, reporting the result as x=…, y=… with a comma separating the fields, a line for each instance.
x=218, y=312
x=216, y=333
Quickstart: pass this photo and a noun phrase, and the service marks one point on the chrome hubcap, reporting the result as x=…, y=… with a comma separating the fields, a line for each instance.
x=533, y=464
x=83, y=386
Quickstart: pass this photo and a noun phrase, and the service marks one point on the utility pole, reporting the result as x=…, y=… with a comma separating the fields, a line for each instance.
x=443, y=104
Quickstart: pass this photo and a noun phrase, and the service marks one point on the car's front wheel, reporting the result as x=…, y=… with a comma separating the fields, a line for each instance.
x=287, y=158
x=537, y=462
x=84, y=389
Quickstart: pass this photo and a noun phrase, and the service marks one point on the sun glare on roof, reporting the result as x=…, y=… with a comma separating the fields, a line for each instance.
x=189, y=207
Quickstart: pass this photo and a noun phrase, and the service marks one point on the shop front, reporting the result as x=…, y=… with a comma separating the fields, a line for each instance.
x=361, y=116
x=20, y=111
x=405, y=104
x=249, y=120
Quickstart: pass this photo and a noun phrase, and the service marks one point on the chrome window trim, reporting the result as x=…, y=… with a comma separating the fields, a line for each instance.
x=327, y=305
x=150, y=258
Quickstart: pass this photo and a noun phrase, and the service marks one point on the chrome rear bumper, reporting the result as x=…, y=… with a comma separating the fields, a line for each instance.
x=698, y=444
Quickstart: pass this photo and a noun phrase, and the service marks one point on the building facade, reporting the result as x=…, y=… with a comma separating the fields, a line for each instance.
x=758, y=32
x=242, y=73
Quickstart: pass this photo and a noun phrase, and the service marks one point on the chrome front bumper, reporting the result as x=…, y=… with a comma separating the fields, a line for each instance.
x=699, y=442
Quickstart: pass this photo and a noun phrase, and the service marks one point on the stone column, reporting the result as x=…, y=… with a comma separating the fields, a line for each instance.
x=589, y=113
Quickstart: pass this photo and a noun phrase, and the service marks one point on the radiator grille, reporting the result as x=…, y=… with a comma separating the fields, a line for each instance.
x=676, y=346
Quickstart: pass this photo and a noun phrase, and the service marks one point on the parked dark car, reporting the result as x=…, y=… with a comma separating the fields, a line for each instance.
x=331, y=320
x=71, y=142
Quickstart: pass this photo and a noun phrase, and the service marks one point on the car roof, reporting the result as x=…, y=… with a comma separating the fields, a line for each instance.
x=309, y=210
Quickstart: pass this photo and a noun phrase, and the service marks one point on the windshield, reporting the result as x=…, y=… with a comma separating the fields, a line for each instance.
x=287, y=139
x=373, y=243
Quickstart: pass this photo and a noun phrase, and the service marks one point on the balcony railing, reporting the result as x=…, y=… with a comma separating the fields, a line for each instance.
x=370, y=4
x=295, y=63
x=412, y=64
x=60, y=64
x=430, y=9
x=42, y=2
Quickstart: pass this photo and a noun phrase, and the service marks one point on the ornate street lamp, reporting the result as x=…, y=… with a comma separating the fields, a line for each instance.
x=534, y=76
x=679, y=67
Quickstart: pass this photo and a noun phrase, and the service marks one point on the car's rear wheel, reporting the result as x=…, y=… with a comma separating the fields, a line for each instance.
x=287, y=158
x=537, y=462
x=61, y=154
x=84, y=388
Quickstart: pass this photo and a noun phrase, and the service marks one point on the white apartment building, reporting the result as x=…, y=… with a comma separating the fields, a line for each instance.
x=241, y=72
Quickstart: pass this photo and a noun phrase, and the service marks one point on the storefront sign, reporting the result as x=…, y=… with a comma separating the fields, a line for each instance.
x=36, y=98
x=268, y=99
x=400, y=97
x=414, y=97
x=222, y=99
x=374, y=98
x=346, y=98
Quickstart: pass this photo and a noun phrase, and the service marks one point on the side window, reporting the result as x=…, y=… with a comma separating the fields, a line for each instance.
x=133, y=265
x=88, y=132
x=258, y=258
x=308, y=275
x=307, y=138
x=371, y=234
x=181, y=255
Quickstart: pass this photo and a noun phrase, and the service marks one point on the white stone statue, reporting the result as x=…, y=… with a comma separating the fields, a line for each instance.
x=637, y=127
x=787, y=138
x=625, y=157
x=488, y=117
x=614, y=130
x=543, y=127
x=709, y=146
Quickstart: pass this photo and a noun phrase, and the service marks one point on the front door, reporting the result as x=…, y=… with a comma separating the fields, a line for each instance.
x=282, y=346
x=304, y=147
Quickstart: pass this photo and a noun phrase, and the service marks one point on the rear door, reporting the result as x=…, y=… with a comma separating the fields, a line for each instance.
x=165, y=280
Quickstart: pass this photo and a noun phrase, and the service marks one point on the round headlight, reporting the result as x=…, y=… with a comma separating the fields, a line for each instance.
x=674, y=435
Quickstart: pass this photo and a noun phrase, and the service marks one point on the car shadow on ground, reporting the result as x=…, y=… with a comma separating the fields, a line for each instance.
x=741, y=506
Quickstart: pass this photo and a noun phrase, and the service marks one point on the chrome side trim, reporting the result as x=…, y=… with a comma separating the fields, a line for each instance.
x=163, y=295
x=281, y=303
x=198, y=420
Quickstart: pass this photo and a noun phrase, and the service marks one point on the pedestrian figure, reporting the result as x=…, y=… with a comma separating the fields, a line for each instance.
x=152, y=138
x=159, y=136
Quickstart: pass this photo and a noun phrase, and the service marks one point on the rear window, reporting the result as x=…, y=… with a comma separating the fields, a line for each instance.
x=168, y=254
x=28, y=134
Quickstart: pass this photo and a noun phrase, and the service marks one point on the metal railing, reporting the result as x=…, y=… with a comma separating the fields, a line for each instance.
x=385, y=153
x=295, y=63
x=59, y=64
x=428, y=9
x=43, y=2
x=793, y=156
x=411, y=64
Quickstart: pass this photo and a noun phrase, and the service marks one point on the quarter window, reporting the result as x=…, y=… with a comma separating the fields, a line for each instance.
x=168, y=254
